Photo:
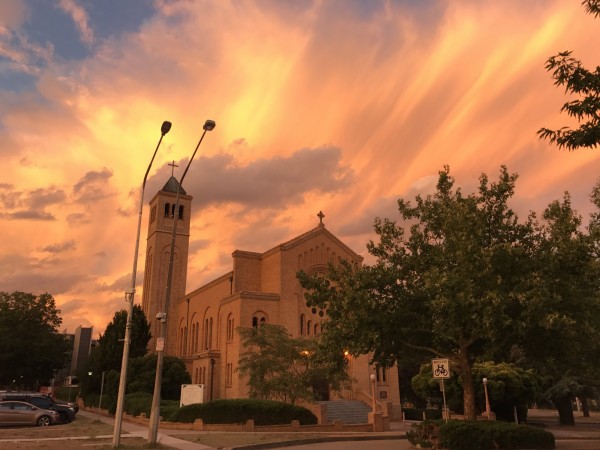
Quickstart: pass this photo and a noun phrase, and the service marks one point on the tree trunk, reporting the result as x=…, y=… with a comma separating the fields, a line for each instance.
x=565, y=410
x=467, y=382
x=585, y=406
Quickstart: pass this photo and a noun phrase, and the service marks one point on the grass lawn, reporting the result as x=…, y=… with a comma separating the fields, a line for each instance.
x=60, y=437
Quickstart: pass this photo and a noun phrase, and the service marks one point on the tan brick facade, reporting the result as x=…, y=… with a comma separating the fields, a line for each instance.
x=158, y=249
x=261, y=287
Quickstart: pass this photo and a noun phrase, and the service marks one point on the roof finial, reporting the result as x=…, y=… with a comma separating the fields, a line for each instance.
x=173, y=165
x=320, y=216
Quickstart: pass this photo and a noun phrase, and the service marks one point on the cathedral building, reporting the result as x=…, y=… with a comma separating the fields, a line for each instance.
x=259, y=288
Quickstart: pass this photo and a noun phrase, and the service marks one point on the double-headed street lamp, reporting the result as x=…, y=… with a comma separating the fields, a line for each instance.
x=129, y=294
x=209, y=125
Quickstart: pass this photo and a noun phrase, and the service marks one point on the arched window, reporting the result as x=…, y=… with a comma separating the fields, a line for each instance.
x=230, y=327
x=308, y=325
x=206, y=334
x=180, y=212
x=258, y=317
x=196, y=376
x=167, y=209
x=196, y=347
x=210, y=333
x=173, y=210
x=316, y=329
x=185, y=339
x=302, y=319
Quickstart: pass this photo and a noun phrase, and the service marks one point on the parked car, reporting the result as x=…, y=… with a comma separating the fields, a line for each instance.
x=43, y=401
x=13, y=413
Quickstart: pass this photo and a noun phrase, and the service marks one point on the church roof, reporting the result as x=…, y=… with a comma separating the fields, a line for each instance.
x=172, y=185
x=319, y=229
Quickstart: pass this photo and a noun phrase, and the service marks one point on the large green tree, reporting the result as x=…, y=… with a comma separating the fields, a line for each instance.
x=450, y=287
x=108, y=354
x=31, y=347
x=280, y=367
x=561, y=335
x=568, y=71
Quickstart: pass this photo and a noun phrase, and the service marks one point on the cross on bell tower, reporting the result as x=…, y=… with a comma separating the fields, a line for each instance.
x=320, y=216
x=173, y=165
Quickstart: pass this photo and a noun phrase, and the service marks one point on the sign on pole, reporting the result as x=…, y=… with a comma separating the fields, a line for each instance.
x=440, y=368
x=441, y=371
x=160, y=344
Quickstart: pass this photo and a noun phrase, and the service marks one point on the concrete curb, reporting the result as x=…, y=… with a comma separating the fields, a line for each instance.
x=316, y=441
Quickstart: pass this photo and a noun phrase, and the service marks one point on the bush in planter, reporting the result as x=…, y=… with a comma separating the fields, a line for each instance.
x=263, y=412
x=486, y=435
x=424, y=434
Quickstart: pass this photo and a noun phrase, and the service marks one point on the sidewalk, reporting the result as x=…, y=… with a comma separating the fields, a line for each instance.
x=132, y=429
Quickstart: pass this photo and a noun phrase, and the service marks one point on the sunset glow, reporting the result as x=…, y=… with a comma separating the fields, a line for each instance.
x=339, y=106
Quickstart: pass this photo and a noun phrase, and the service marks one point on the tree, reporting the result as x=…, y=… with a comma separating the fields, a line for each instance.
x=508, y=386
x=452, y=288
x=143, y=373
x=568, y=71
x=562, y=310
x=31, y=347
x=280, y=367
x=108, y=354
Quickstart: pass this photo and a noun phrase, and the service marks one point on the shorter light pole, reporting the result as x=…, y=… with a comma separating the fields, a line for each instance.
x=373, y=380
x=101, y=392
x=487, y=399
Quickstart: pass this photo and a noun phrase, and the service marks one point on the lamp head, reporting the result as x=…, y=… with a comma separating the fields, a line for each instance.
x=372, y=378
x=484, y=381
x=209, y=125
x=166, y=126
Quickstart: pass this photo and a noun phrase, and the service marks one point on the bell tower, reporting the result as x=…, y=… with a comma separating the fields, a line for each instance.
x=163, y=215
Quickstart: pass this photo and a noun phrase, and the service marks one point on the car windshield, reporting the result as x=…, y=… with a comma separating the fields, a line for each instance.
x=41, y=402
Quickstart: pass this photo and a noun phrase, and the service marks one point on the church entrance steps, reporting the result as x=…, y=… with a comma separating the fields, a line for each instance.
x=347, y=411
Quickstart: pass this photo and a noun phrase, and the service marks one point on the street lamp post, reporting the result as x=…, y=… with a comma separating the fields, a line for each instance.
x=373, y=379
x=487, y=399
x=209, y=125
x=129, y=297
x=101, y=392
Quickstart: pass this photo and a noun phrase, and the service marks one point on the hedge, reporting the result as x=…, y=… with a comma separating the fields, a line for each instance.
x=486, y=435
x=263, y=412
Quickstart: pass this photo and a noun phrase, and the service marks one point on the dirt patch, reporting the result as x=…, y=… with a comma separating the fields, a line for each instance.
x=63, y=437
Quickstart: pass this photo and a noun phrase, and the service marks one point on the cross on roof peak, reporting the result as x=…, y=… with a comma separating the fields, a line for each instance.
x=320, y=216
x=173, y=165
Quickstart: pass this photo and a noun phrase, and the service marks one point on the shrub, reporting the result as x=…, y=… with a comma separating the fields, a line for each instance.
x=263, y=412
x=485, y=435
x=137, y=403
x=141, y=402
x=424, y=434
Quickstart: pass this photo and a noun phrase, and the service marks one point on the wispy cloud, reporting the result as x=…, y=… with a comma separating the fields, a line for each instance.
x=339, y=106
x=80, y=18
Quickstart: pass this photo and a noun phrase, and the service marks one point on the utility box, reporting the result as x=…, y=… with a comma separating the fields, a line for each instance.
x=191, y=393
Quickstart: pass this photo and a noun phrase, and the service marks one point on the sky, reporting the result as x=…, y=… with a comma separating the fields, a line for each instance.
x=320, y=105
